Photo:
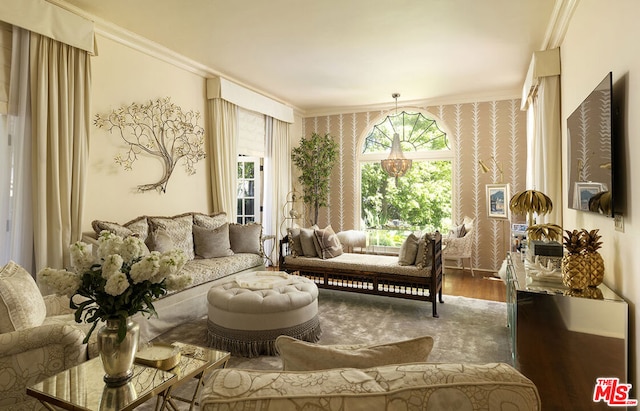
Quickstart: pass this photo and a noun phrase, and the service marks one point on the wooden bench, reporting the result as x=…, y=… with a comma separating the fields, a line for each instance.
x=371, y=274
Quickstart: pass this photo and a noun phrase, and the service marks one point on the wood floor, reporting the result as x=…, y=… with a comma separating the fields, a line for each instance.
x=483, y=285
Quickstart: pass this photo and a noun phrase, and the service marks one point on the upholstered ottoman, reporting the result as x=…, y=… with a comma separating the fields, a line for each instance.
x=246, y=319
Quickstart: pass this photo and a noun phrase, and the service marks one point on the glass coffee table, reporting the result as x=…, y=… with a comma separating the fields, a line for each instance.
x=195, y=362
x=82, y=387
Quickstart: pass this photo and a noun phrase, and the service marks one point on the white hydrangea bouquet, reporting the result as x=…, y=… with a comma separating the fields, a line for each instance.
x=121, y=280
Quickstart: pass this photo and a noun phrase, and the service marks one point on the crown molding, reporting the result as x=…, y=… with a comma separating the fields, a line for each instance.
x=422, y=103
x=558, y=23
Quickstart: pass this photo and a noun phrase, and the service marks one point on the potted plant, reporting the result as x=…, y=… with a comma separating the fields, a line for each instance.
x=315, y=158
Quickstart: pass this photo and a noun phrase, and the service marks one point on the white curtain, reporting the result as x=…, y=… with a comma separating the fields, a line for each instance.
x=223, y=120
x=60, y=106
x=16, y=207
x=545, y=148
x=277, y=177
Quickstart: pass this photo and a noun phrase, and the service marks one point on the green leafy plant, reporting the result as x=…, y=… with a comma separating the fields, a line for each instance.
x=315, y=158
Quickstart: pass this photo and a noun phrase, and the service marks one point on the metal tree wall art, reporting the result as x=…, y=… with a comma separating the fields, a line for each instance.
x=160, y=129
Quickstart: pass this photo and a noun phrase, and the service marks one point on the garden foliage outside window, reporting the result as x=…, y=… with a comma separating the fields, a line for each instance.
x=419, y=200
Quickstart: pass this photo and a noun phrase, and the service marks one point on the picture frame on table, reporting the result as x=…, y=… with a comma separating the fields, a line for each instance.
x=498, y=201
x=583, y=191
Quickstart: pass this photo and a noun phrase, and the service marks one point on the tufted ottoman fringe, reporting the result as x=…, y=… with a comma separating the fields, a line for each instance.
x=252, y=343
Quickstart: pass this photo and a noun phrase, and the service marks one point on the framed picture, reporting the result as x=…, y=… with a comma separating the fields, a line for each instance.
x=498, y=201
x=583, y=191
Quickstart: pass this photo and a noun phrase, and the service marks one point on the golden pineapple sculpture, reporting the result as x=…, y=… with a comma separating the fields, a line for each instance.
x=582, y=265
x=593, y=259
x=574, y=264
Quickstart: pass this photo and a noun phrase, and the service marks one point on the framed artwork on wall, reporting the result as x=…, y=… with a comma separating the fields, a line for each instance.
x=582, y=193
x=498, y=201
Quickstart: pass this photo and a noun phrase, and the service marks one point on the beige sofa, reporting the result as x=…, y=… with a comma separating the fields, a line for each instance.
x=387, y=376
x=409, y=386
x=217, y=251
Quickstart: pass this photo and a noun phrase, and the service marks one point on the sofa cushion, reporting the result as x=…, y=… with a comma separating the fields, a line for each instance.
x=138, y=227
x=178, y=229
x=415, y=386
x=212, y=242
x=307, y=241
x=21, y=304
x=294, y=241
x=424, y=254
x=246, y=238
x=299, y=355
x=328, y=242
x=409, y=250
x=210, y=221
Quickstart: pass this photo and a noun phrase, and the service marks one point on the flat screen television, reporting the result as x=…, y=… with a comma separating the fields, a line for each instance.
x=590, y=138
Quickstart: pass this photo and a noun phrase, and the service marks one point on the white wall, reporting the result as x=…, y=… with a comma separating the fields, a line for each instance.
x=123, y=76
x=603, y=36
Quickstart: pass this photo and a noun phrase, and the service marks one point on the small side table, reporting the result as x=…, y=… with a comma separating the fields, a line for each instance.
x=195, y=362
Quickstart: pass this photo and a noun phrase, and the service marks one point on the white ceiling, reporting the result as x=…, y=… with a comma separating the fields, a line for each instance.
x=320, y=55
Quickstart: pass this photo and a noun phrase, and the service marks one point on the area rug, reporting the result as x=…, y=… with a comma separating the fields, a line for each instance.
x=468, y=330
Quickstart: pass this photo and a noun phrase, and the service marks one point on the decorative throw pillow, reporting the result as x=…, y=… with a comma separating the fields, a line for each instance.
x=138, y=227
x=210, y=221
x=179, y=229
x=307, y=243
x=462, y=231
x=328, y=242
x=246, y=238
x=409, y=250
x=425, y=251
x=115, y=228
x=21, y=304
x=294, y=242
x=212, y=243
x=299, y=355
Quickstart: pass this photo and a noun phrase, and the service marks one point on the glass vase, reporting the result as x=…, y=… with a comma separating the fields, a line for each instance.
x=118, y=356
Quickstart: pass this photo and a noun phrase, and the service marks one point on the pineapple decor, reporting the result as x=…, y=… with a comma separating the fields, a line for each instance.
x=582, y=266
x=594, y=259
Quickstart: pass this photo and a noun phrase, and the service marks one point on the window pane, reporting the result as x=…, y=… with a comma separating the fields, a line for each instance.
x=249, y=171
x=240, y=169
x=420, y=200
x=239, y=207
x=249, y=188
x=416, y=133
x=249, y=207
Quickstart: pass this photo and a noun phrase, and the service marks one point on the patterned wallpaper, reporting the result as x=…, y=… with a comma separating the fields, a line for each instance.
x=477, y=131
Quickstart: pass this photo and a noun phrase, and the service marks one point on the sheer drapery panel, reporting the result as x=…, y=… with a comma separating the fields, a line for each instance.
x=16, y=185
x=544, y=146
x=277, y=176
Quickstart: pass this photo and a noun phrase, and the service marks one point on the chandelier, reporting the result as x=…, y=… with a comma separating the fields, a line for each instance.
x=396, y=165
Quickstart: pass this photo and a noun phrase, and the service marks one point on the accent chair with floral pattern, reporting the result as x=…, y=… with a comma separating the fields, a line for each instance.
x=38, y=337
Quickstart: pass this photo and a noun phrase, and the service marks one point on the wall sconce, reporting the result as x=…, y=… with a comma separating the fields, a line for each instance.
x=486, y=169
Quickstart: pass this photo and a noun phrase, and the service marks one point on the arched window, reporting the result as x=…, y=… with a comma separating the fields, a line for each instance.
x=421, y=199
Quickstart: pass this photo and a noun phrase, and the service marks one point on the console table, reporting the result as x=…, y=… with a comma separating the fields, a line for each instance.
x=563, y=341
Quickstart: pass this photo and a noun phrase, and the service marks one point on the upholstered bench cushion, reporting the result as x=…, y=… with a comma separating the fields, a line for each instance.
x=247, y=322
x=416, y=386
x=386, y=264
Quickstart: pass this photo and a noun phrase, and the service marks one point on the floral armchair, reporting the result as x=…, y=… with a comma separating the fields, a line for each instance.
x=38, y=337
x=459, y=244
